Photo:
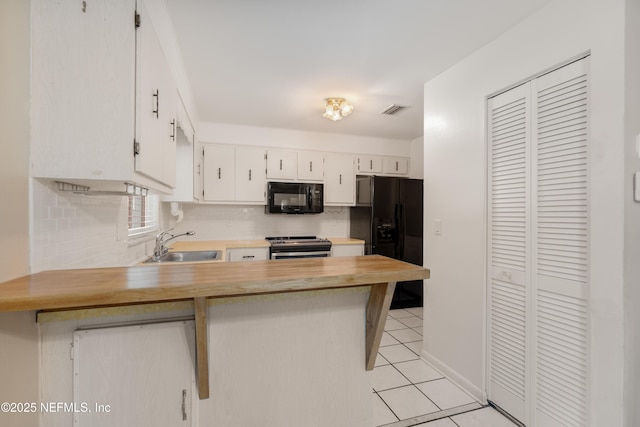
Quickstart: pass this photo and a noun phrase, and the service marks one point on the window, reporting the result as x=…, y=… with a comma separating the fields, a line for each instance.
x=142, y=212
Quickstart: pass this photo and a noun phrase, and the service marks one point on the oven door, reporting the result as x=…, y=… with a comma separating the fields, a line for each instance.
x=290, y=255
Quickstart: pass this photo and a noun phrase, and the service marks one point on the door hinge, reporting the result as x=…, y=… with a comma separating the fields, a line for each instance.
x=136, y=20
x=136, y=148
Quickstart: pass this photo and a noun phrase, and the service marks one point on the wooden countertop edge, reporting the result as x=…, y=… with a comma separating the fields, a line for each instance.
x=67, y=289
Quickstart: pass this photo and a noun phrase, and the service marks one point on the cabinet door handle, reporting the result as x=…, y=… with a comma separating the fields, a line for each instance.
x=396, y=166
x=280, y=164
x=310, y=166
x=173, y=130
x=249, y=174
x=219, y=173
x=184, y=405
x=198, y=168
x=371, y=164
x=340, y=179
x=156, y=95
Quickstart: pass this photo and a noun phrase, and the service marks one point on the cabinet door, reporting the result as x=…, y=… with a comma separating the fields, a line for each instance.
x=310, y=166
x=82, y=90
x=250, y=179
x=340, y=182
x=369, y=164
x=150, y=97
x=247, y=254
x=219, y=173
x=395, y=165
x=144, y=373
x=282, y=164
x=347, y=250
x=198, y=169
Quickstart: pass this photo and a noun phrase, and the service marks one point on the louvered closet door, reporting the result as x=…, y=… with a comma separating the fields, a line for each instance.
x=508, y=188
x=560, y=113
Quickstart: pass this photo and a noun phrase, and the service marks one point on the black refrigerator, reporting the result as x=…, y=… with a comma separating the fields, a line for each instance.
x=388, y=217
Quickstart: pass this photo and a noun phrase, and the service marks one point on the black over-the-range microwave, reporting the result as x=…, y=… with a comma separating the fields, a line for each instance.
x=295, y=198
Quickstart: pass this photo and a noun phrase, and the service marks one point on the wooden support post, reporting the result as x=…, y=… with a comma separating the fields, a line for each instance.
x=377, y=311
x=202, y=354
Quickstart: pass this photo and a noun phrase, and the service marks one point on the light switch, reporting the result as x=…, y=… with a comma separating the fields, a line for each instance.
x=437, y=227
x=636, y=186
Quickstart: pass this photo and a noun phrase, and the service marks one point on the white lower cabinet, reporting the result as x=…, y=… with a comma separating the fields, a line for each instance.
x=347, y=250
x=140, y=375
x=247, y=254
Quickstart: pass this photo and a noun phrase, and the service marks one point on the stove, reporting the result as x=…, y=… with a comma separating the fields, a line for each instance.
x=298, y=247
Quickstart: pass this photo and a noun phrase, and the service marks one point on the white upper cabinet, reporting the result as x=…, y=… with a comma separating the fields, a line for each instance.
x=251, y=182
x=219, y=173
x=84, y=95
x=156, y=107
x=369, y=164
x=395, y=165
x=282, y=164
x=310, y=166
x=234, y=174
x=188, y=156
x=340, y=180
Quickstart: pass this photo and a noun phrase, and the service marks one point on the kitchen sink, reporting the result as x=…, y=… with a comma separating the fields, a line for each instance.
x=188, y=256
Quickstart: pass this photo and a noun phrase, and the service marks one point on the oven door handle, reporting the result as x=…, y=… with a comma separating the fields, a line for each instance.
x=314, y=254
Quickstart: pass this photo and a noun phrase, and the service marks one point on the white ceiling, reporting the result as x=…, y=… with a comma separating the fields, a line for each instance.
x=272, y=63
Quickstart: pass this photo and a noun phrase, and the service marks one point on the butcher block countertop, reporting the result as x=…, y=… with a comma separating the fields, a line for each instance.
x=63, y=289
x=96, y=287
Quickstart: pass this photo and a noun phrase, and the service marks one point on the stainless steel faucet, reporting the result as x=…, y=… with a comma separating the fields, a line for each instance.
x=161, y=249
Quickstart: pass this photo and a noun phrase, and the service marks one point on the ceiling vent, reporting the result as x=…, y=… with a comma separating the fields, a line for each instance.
x=393, y=109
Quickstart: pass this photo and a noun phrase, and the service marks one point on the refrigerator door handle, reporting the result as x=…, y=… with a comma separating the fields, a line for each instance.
x=401, y=227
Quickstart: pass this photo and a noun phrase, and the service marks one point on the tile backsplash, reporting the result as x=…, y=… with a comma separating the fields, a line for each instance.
x=211, y=222
x=78, y=231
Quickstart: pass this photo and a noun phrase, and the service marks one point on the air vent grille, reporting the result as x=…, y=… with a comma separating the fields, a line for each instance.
x=393, y=109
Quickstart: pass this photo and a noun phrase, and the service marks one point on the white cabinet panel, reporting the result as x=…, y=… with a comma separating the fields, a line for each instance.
x=340, y=180
x=219, y=173
x=282, y=164
x=88, y=66
x=310, y=166
x=234, y=174
x=145, y=373
x=347, y=250
x=247, y=254
x=395, y=165
x=250, y=182
x=369, y=164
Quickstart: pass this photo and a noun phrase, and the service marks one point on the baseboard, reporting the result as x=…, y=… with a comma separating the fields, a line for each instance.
x=473, y=390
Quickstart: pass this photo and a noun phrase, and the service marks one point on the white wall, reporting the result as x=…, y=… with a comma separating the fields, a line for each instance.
x=286, y=138
x=632, y=218
x=18, y=335
x=455, y=177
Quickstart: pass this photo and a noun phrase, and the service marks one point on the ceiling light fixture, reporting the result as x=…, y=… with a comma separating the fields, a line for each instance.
x=337, y=108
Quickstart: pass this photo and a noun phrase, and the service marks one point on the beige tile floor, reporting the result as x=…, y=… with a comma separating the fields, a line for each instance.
x=409, y=392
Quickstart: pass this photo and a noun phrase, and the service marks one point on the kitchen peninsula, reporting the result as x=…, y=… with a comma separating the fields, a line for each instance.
x=262, y=331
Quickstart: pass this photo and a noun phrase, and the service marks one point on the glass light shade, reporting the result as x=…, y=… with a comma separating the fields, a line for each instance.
x=336, y=109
